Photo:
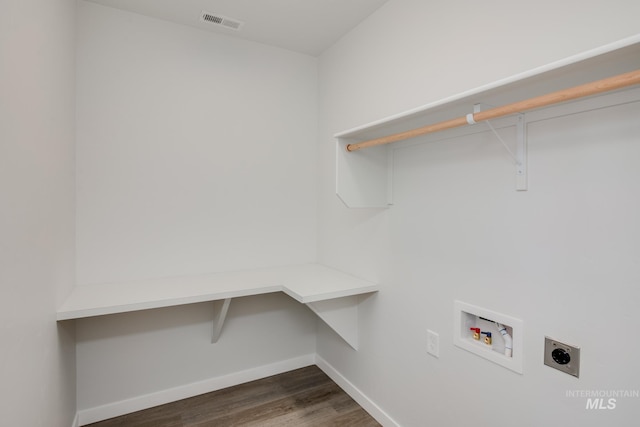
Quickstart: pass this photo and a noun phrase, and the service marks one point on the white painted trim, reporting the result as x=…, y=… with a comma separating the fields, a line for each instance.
x=115, y=409
x=367, y=404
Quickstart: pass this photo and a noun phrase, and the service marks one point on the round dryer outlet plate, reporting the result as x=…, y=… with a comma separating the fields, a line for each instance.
x=561, y=356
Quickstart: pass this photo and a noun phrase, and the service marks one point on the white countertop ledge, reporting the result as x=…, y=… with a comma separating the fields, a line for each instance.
x=305, y=283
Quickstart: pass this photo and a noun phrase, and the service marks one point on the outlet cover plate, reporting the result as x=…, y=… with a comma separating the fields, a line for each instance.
x=561, y=356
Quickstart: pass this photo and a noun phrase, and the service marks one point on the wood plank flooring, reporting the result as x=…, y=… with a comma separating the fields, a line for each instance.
x=300, y=398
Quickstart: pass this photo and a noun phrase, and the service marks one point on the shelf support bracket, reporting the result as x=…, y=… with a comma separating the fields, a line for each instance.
x=341, y=315
x=521, y=154
x=220, y=308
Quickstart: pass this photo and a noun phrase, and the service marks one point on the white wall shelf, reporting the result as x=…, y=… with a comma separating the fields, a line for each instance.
x=364, y=177
x=331, y=294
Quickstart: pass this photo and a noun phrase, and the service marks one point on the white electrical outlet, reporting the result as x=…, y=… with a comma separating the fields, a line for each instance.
x=433, y=343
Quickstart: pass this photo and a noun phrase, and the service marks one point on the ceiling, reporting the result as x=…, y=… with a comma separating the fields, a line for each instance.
x=305, y=26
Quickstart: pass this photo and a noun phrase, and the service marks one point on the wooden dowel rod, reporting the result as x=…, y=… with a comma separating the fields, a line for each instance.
x=588, y=89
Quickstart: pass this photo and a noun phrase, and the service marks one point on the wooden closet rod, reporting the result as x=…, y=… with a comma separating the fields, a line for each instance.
x=588, y=89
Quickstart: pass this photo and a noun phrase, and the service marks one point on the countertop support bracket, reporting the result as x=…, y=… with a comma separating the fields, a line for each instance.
x=220, y=308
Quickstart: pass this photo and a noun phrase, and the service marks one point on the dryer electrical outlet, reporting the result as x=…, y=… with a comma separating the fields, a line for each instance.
x=494, y=336
x=561, y=356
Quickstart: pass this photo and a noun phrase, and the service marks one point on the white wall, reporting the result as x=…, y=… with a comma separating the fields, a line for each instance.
x=37, y=132
x=561, y=256
x=196, y=153
x=194, y=150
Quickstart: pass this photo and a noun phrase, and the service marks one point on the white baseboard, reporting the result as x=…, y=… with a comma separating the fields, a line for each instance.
x=100, y=413
x=76, y=421
x=367, y=404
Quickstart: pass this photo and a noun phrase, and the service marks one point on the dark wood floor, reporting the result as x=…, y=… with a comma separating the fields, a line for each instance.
x=304, y=397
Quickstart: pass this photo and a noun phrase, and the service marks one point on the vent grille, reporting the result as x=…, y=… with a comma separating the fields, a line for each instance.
x=220, y=20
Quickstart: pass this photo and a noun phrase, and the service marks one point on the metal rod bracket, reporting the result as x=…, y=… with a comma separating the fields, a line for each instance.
x=521, y=154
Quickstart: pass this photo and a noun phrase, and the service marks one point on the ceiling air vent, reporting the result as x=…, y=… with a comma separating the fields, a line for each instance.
x=220, y=20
